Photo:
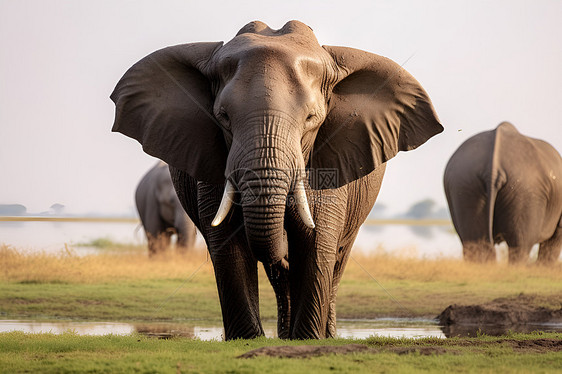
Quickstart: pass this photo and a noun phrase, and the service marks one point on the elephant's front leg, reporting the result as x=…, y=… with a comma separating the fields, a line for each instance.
x=311, y=278
x=235, y=267
x=343, y=254
x=312, y=258
x=237, y=284
x=361, y=196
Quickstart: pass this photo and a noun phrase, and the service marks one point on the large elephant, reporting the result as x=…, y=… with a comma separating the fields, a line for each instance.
x=161, y=212
x=504, y=186
x=300, y=133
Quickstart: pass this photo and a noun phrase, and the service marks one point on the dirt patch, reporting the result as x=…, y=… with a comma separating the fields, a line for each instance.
x=539, y=345
x=536, y=345
x=304, y=351
x=424, y=351
x=87, y=302
x=453, y=347
x=165, y=331
x=522, y=313
x=20, y=301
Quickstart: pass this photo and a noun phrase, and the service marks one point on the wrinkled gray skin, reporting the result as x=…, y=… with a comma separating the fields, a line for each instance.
x=257, y=111
x=161, y=212
x=504, y=186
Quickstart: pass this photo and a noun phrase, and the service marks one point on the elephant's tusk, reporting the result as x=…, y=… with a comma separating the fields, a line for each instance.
x=226, y=204
x=302, y=205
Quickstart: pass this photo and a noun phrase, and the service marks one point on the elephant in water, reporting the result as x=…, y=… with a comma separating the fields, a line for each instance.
x=161, y=212
x=504, y=186
x=277, y=148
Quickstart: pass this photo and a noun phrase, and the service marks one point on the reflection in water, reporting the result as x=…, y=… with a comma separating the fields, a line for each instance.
x=80, y=328
x=346, y=329
x=354, y=329
x=425, y=232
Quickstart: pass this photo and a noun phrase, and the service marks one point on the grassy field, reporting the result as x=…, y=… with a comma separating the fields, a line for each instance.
x=47, y=353
x=124, y=285
x=129, y=286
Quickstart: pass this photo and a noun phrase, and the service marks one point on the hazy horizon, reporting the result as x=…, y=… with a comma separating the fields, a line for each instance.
x=481, y=63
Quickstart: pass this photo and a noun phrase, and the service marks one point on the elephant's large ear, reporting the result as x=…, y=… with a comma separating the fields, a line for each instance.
x=376, y=109
x=166, y=103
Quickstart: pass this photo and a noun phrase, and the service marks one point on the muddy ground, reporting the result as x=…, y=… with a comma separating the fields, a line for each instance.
x=523, y=313
x=304, y=351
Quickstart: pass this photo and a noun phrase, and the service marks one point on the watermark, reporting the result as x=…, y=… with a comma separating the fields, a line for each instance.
x=271, y=184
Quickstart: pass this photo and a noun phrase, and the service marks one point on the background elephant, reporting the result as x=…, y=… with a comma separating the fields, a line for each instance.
x=504, y=186
x=300, y=133
x=161, y=212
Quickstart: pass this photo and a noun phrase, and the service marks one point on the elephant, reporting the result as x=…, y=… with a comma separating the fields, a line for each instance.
x=277, y=148
x=504, y=186
x=161, y=212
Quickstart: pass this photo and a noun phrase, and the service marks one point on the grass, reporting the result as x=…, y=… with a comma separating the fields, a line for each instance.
x=128, y=286
x=105, y=243
x=125, y=285
x=65, y=353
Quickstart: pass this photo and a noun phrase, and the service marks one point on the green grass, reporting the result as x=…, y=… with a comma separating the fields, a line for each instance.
x=142, y=300
x=66, y=353
x=108, y=244
x=129, y=286
x=179, y=299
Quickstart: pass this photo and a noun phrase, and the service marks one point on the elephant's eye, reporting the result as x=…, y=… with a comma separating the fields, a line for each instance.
x=222, y=114
x=223, y=118
x=309, y=117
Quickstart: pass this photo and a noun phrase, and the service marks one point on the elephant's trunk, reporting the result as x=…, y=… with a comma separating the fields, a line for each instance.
x=264, y=168
x=263, y=204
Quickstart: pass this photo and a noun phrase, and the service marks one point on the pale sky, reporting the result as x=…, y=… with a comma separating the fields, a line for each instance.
x=481, y=62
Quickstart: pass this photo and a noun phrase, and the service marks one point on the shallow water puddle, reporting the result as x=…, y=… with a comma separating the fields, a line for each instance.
x=346, y=329
x=80, y=328
x=357, y=329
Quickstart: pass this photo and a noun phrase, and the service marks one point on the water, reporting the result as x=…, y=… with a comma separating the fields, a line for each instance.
x=208, y=331
x=53, y=236
x=412, y=241
x=428, y=242
x=356, y=329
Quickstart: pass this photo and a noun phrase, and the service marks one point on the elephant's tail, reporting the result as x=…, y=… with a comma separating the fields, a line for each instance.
x=494, y=185
x=492, y=194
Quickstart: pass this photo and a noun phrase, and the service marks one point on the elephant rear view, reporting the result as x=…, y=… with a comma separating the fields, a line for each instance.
x=504, y=186
x=161, y=212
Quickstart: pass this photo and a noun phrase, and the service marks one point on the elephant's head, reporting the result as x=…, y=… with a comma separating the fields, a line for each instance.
x=261, y=108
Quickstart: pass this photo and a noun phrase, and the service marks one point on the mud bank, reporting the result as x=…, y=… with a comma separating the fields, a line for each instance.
x=523, y=313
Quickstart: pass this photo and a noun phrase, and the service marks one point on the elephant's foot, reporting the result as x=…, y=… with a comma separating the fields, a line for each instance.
x=243, y=330
x=480, y=252
x=518, y=255
x=549, y=251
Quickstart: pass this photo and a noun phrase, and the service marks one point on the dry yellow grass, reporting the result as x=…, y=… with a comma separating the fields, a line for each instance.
x=389, y=267
x=66, y=266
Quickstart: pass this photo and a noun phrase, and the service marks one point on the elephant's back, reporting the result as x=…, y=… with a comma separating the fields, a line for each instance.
x=150, y=182
x=471, y=162
x=533, y=184
x=517, y=154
